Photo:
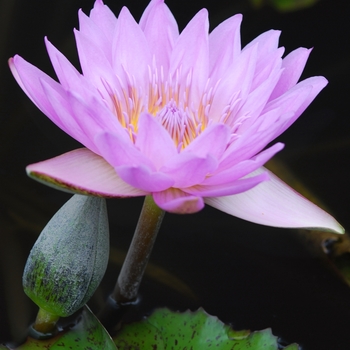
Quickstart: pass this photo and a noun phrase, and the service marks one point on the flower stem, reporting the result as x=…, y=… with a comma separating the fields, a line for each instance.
x=136, y=260
x=45, y=321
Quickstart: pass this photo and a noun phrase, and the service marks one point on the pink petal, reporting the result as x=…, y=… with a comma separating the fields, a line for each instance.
x=267, y=42
x=161, y=31
x=82, y=171
x=130, y=164
x=237, y=79
x=93, y=116
x=227, y=189
x=233, y=172
x=293, y=65
x=213, y=140
x=188, y=169
x=224, y=46
x=297, y=99
x=142, y=177
x=91, y=30
x=66, y=73
x=274, y=203
x=59, y=101
x=30, y=80
x=154, y=141
x=255, y=138
x=104, y=19
x=119, y=150
x=190, y=57
x=176, y=201
x=95, y=64
x=268, y=65
x=256, y=101
x=131, y=53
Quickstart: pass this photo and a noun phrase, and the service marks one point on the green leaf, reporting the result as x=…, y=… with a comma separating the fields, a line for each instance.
x=165, y=329
x=88, y=333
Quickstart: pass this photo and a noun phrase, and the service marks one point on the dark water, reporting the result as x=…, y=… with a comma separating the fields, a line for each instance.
x=251, y=276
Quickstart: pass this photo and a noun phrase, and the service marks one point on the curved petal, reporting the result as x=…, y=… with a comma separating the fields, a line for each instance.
x=104, y=18
x=234, y=171
x=96, y=66
x=142, y=177
x=188, y=169
x=176, y=201
x=60, y=103
x=274, y=203
x=30, y=80
x=293, y=65
x=154, y=141
x=224, y=46
x=82, y=171
x=131, y=53
x=91, y=30
x=237, y=79
x=190, y=57
x=228, y=189
x=213, y=140
x=118, y=150
x=267, y=42
x=66, y=73
x=161, y=31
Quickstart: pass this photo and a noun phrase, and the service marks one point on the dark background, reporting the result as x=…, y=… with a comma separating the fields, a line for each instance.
x=251, y=276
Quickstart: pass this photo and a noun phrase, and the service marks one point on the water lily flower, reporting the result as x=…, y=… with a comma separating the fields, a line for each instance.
x=185, y=117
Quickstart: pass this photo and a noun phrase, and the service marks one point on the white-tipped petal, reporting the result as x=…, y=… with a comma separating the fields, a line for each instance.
x=274, y=203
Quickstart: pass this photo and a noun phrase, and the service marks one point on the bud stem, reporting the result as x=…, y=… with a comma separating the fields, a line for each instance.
x=45, y=321
x=136, y=260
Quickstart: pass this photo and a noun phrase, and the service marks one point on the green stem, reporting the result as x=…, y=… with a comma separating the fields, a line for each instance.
x=45, y=321
x=136, y=260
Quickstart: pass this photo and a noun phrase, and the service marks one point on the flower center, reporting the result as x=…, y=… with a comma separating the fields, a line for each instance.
x=181, y=128
x=169, y=101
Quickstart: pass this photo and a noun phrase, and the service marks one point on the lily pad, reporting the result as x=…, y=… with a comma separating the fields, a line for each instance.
x=165, y=329
x=88, y=333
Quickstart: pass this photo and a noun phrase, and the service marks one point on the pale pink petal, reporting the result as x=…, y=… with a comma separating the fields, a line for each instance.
x=119, y=150
x=104, y=19
x=67, y=74
x=95, y=64
x=268, y=65
x=224, y=46
x=293, y=65
x=234, y=171
x=256, y=138
x=297, y=99
x=91, y=30
x=130, y=164
x=188, y=169
x=161, y=31
x=267, y=42
x=274, y=203
x=59, y=101
x=190, y=57
x=176, y=201
x=93, y=117
x=237, y=79
x=256, y=101
x=142, y=177
x=131, y=53
x=30, y=80
x=82, y=171
x=154, y=141
x=213, y=140
x=227, y=189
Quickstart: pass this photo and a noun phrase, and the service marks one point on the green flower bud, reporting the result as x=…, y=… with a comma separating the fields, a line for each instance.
x=70, y=257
